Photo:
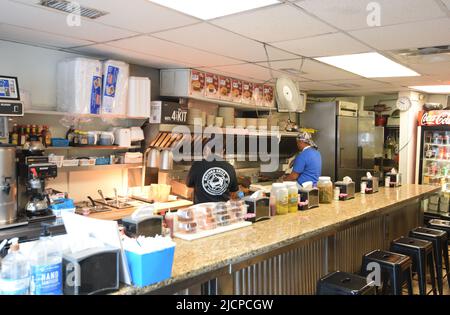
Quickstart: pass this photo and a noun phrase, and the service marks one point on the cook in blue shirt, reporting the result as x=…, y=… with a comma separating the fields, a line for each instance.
x=308, y=163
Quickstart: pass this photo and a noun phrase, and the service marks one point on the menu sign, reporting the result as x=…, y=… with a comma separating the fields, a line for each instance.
x=236, y=90
x=268, y=96
x=197, y=83
x=211, y=85
x=225, y=88
x=258, y=94
x=434, y=118
x=247, y=92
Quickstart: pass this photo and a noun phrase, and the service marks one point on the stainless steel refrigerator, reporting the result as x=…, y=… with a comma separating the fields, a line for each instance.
x=345, y=140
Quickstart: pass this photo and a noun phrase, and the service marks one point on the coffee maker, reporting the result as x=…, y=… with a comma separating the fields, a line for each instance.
x=33, y=196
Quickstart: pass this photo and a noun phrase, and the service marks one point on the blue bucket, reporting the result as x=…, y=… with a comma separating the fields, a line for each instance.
x=150, y=268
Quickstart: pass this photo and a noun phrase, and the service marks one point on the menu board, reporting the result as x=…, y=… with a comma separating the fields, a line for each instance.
x=268, y=96
x=258, y=94
x=225, y=88
x=211, y=85
x=9, y=89
x=247, y=92
x=236, y=90
x=197, y=86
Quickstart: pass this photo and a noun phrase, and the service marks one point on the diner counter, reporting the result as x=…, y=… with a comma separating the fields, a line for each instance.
x=325, y=229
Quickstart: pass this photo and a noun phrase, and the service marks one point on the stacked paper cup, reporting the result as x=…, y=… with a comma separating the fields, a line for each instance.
x=228, y=116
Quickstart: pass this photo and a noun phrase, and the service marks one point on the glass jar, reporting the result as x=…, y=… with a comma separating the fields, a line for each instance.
x=325, y=187
x=282, y=200
x=273, y=198
x=292, y=196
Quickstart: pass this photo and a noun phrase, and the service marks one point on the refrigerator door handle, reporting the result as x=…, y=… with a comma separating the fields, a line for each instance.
x=360, y=156
x=340, y=156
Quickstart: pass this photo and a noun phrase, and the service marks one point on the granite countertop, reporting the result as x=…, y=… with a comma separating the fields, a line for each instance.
x=193, y=258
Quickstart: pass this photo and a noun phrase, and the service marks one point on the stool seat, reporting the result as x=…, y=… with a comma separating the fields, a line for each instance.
x=343, y=283
x=422, y=255
x=395, y=268
x=439, y=239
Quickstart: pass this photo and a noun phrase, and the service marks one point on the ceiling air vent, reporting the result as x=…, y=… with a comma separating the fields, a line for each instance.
x=72, y=7
x=434, y=50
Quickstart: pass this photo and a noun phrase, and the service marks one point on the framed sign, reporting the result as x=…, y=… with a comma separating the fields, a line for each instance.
x=9, y=88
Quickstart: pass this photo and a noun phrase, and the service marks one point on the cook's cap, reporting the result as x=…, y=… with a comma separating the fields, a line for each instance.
x=306, y=137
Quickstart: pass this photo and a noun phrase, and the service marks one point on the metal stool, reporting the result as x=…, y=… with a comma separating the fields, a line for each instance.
x=395, y=268
x=421, y=253
x=342, y=283
x=439, y=240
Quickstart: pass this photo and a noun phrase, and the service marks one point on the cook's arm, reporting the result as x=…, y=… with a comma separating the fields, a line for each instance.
x=291, y=177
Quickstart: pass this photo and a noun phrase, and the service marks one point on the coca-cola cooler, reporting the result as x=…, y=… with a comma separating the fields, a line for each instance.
x=433, y=149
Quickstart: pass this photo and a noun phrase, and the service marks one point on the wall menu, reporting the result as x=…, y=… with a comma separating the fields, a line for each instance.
x=213, y=86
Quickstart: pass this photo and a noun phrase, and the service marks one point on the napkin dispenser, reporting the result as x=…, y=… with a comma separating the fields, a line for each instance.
x=148, y=226
x=395, y=180
x=347, y=190
x=91, y=271
x=258, y=209
x=308, y=198
x=372, y=184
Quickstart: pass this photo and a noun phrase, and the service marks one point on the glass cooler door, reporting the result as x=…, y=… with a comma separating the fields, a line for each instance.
x=435, y=156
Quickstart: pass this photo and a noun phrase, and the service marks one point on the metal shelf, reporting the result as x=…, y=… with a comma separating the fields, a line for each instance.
x=56, y=113
x=95, y=147
x=98, y=167
x=437, y=145
x=437, y=160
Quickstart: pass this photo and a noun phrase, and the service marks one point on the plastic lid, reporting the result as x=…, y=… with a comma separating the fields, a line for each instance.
x=290, y=183
x=278, y=185
x=324, y=178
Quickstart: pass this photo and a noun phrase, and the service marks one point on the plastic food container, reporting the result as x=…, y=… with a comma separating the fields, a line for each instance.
x=73, y=162
x=56, y=159
x=59, y=142
x=87, y=162
x=325, y=189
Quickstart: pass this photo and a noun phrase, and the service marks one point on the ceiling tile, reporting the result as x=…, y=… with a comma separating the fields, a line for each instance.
x=315, y=70
x=447, y=3
x=272, y=24
x=216, y=40
x=229, y=74
x=423, y=80
x=324, y=45
x=158, y=47
x=33, y=37
x=357, y=84
x=352, y=15
x=103, y=51
x=250, y=70
x=410, y=35
x=52, y=21
x=140, y=16
x=437, y=68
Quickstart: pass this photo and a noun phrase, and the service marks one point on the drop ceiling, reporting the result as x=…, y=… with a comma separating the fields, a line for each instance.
x=259, y=44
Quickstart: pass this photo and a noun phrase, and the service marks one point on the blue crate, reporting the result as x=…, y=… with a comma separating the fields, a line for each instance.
x=60, y=142
x=103, y=161
x=150, y=268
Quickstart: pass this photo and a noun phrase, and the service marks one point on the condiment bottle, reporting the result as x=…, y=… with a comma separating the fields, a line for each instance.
x=292, y=196
x=282, y=200
x=325, y=187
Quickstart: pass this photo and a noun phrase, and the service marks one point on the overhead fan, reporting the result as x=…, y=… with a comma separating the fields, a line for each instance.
x=289, y=99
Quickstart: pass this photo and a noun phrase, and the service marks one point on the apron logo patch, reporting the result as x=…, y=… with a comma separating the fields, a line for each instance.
x=215, y=181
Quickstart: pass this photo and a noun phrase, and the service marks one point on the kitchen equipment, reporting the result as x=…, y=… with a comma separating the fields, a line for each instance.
x=102, y=196
x=116, y=203
x=33, y=146
x=289, y=98
x=371, y=184
x=345, y=138
x=92, y=271
x=106, y=138
x=395, y=180
x=116, y=195
x=259, y=207
x=346, y=190
x=149, y=226
x=8, y=184
x=122, y=137
x=308, y=198
x=136, y=134
x=166, y=161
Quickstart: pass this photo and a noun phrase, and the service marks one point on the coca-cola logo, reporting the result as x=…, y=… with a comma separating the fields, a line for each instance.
x=435, y=118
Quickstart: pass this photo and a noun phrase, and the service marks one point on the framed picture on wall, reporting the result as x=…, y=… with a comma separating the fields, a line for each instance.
x=9, y=88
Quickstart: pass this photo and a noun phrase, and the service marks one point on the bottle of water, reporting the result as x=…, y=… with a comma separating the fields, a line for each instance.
x=15, y=272
x=46, y=266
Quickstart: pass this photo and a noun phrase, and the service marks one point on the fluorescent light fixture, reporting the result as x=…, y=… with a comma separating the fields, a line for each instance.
x=210, y=9
x=369, y=65
x=433, y=89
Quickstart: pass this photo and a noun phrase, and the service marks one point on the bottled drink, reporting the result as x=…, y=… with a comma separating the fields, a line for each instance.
x=15, y=272
x=46, y=136
x=46, y=267
x=282, y=200
x=23, y=135
x=15, y=135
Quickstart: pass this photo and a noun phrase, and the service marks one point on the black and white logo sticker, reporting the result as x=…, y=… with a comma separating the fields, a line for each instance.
x=215, y=181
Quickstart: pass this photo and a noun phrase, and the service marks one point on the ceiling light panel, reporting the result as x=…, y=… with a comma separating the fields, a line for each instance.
x=433, y=89
x=369, y=65
x=207, y=9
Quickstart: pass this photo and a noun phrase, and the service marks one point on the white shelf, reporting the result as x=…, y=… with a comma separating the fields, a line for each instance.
x=56, y=113
x=438, y=145
x=98, y=147
x=241, y=106
x=437, y=160
x=98, y=167
x=234, y=131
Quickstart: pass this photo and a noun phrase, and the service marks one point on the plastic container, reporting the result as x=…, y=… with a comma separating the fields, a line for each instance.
x=87, y=162
x=273, y=198
x=59, y=142
x=46, y=266
x=56, y=159
x=150, y=268
x=14, y=272
x=73, y=162
x=325, y=189
x=282, y=200
x=292, y=196
x=103, y=161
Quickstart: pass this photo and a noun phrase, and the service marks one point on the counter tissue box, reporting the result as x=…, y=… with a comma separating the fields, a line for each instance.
x=149, y=259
